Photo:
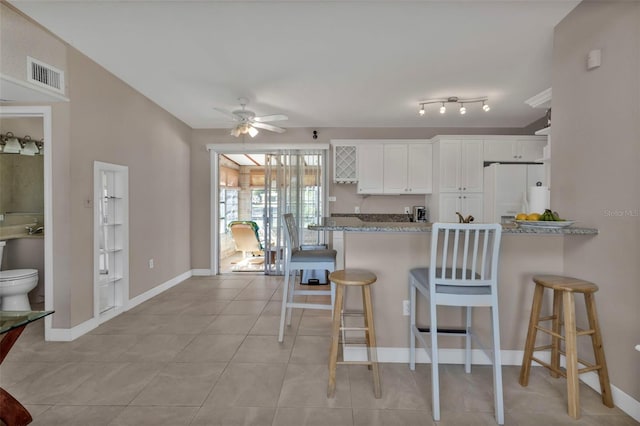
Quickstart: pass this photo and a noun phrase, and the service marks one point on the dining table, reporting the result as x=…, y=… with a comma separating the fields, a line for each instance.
x=12, y=324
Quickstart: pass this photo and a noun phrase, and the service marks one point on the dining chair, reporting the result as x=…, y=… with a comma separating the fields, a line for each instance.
x=463, y=272
x=298, y=259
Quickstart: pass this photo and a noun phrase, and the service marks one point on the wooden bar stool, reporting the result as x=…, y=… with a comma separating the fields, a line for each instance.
x=564, y=289
x=344, y=278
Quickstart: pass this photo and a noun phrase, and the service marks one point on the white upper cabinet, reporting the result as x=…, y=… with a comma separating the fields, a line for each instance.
x=407, y=168
x=420, y=168
x=384, y=166
x=514, y=149
x=395, y=169
x=460, y=165
x=345, y=163
x=370, y=166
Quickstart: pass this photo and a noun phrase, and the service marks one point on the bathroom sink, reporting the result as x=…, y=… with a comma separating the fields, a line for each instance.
x=15, y=231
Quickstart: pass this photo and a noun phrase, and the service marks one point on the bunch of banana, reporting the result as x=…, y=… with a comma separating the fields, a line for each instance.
x=548, y=215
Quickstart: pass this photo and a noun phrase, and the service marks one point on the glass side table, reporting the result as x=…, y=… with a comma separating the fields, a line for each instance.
x=12, y=324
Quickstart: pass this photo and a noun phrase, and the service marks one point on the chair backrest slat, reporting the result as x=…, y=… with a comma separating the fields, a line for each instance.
x=472, y=261
x=292, y=231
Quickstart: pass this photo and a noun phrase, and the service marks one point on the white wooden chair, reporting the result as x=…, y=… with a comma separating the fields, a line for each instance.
x=463, y=272
x=297, y=259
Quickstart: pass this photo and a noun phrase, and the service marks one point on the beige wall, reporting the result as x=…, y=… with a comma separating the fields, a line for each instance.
x=106, y=120
x=346, y=195
x=21, y=38
x=111, y=122
x=595, y=174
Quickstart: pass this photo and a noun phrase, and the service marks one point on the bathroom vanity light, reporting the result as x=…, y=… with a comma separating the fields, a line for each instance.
x=29, y=147
x=10, y=144
x=454, y=100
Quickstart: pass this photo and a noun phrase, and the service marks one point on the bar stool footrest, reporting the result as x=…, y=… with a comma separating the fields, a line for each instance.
x=443, y=330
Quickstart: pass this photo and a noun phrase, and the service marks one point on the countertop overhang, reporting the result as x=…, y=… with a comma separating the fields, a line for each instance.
x=354, y=224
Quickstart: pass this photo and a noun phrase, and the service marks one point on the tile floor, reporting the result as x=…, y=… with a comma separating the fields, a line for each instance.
x=205, y=353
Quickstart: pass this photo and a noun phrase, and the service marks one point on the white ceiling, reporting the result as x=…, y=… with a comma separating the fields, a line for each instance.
x=322, y=63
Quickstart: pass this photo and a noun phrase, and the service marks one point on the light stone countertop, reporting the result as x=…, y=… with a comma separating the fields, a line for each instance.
x=354, y=224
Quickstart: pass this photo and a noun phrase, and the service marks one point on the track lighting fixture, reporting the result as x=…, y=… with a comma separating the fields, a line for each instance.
x=455, y=100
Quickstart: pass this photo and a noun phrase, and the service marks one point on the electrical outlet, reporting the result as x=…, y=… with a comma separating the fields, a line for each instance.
x=150, y=263
x=407, y=210
x=405, y=308
x=357, y=209
x=331, y=198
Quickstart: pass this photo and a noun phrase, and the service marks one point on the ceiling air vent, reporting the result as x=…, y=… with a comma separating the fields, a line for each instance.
x=45, y=75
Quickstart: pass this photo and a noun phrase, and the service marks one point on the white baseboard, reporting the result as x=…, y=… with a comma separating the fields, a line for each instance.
x=141, y=298
x=201, y=272
x=509, y=357
x=69, y=334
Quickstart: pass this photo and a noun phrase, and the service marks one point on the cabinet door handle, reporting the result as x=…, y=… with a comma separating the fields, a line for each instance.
x=464, y=189
x=464, y=197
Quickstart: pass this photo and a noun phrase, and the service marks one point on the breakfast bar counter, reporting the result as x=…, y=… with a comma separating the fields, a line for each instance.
x=391, y=249
x=354, y=224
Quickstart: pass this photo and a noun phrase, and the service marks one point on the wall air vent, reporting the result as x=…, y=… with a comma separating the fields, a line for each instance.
x=45, y=75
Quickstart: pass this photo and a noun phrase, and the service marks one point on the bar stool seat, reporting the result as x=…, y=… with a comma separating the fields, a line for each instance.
x=347, y=278
x=564, y=289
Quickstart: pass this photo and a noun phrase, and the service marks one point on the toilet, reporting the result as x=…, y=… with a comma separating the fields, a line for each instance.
x=15, y=286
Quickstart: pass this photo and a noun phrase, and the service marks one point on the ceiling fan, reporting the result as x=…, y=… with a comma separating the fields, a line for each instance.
x=248, y=122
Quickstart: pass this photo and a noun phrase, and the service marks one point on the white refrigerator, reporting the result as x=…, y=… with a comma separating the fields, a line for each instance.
x=505, y=189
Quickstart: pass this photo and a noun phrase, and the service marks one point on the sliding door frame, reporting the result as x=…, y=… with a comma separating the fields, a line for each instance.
x=244, y=148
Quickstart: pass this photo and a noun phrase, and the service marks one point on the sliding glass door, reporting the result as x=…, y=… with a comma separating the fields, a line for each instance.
x=294, y=183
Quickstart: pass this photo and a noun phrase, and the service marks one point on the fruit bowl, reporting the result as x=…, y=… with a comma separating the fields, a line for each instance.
x=545, y=223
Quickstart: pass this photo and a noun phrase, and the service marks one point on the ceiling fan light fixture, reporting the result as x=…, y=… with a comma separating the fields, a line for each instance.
x=463, y=109
x=485, y=106
x=252, y=131
x=443, y=109
x=421, y=112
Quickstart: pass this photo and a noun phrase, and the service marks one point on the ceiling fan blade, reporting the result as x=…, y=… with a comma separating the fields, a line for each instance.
x=227, y=113
x=274, y=117
x=268, y=127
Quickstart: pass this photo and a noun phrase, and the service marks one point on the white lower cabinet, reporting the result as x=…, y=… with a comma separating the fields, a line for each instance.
x=464, y=203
